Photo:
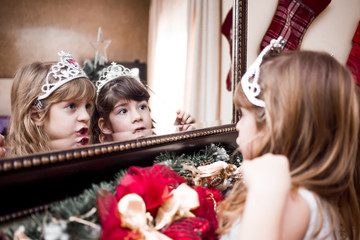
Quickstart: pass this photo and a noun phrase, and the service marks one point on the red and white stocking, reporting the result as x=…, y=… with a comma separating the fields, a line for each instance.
x=291, y=20
x=353, y=62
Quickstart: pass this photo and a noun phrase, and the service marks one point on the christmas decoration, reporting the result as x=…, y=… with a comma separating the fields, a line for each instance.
x=100, y=46
x=353, y=62
x=149, y=200
x=291, y=20
x=78, y=218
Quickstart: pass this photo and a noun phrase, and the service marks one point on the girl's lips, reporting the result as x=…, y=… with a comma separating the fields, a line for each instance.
x=83, y=132
x=83, y=141
x=139, y=129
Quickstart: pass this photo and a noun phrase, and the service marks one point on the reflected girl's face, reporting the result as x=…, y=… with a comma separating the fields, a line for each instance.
x=130, y=119
x=68, y=123
x=246, y=128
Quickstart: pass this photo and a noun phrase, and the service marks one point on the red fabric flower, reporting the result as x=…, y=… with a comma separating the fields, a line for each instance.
x=187, y=229
x=110, y=218
x=153, y=185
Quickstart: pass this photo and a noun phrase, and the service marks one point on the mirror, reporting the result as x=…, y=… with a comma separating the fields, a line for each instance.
x=29, y=183
x=47, y=30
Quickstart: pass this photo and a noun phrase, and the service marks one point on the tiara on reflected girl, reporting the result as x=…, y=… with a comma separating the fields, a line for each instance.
x=65, y=70
x=252, y=88
x=112, y=72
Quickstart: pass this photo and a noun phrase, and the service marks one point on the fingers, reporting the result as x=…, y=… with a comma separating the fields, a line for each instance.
x=183, y=118
x=2, y=152
x=2, y=146
x=186, y=127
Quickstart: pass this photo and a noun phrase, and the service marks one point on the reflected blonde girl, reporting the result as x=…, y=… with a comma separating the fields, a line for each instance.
x=29, y=122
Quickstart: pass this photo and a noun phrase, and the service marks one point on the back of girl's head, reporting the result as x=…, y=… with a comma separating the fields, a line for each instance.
x=25, y=136
x=124, y=87
x=311, y=115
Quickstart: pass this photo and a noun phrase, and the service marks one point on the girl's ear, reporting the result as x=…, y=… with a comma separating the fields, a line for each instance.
x=35, y=116
x=105, y=129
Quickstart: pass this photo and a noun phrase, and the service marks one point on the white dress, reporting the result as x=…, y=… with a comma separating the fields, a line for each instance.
x=315, y=220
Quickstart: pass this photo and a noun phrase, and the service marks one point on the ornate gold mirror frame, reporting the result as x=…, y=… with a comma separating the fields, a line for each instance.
x=28, y=184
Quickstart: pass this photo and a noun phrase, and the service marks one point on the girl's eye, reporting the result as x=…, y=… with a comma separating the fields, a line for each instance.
x=88, y=106
x=123, y=111
x=70, y=106
x=143, y=106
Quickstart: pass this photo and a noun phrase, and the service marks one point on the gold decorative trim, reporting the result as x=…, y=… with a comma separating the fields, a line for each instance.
x=37, y=160
x=239, y=50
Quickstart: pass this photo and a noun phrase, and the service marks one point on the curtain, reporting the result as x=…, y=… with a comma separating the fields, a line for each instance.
x=184, y=59
x=202, y=82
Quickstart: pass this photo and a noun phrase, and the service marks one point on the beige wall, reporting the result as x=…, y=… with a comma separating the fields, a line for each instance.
x=36, y=30
x=331, y=31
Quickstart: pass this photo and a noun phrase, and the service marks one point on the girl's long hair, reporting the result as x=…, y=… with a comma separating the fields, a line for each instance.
x=25, y=137
x=312, y=117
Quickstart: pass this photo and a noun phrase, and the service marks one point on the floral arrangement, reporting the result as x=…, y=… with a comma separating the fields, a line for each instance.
x=176, y=198
x=156, y=203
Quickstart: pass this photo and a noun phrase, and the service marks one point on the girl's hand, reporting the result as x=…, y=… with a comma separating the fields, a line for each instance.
x=183, y=121
x=2, y=146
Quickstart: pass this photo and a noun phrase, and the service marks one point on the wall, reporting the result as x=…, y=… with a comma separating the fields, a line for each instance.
x=36, y=30
x=331, y=31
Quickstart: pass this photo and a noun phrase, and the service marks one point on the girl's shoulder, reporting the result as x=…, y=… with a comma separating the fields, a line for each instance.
x=305, y=215
x=296, y=217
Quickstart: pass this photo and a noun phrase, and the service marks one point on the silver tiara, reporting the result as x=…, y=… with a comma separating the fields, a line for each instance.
x=252, y=88
x=111, y=72
x=62, y=72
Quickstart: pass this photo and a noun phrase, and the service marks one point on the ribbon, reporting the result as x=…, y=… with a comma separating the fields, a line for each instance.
x=184, y=199
x=20, y=234
x=133, y=215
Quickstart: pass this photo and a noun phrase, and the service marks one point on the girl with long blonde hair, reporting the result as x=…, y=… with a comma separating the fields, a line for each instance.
x=298, y=133
x=51, y=105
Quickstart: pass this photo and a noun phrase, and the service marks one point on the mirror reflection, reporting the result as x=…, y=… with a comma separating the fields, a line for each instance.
x=188, y=86
x=122, y=110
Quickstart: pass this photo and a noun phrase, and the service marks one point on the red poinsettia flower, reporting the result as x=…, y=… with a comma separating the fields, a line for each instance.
x=154, y=185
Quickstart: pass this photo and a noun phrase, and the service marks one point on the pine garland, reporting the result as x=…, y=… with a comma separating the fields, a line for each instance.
x=93, y=72
x=210, y=154
x=77, y=218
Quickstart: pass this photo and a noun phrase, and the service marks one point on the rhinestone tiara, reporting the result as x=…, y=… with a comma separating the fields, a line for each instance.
x=65, y=70
x=252, y=89
x=111, y=72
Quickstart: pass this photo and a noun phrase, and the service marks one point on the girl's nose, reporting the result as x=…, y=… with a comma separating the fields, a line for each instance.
x=135, y=116
x=84, y=115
